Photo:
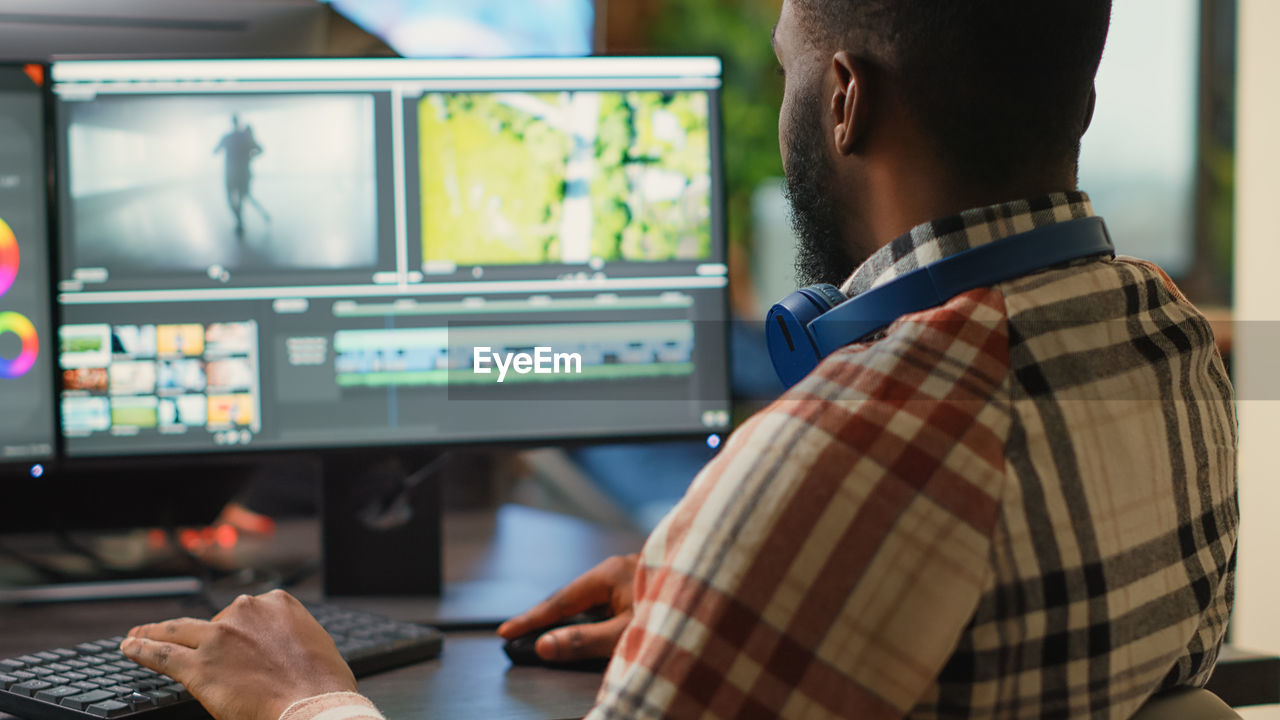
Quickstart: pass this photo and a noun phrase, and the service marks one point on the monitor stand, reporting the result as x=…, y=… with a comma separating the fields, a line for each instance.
x=381, y=527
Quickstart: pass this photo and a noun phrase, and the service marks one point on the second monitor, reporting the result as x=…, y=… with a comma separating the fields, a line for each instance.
x=291, y=255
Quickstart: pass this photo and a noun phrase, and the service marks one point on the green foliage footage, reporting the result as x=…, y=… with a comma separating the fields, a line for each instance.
x=531, y=178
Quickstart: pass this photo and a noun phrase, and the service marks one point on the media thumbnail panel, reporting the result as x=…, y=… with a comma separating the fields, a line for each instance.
x=225, y=189
x=157, y=386
x=319, y=373
x=509, y=180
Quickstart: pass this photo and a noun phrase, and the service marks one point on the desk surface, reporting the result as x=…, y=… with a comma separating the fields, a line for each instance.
x=473, y=678
x=496, y=564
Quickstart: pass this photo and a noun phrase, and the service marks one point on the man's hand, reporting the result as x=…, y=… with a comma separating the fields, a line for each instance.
x=253, y=660
x=607, y=583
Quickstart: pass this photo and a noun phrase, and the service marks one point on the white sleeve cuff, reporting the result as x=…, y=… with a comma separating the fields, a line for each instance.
x=333, y=706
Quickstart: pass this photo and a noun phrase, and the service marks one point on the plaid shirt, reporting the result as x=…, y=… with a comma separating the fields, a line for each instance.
x=1019, y=504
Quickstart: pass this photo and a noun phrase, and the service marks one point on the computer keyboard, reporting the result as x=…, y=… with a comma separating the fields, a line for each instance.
x=94, y=680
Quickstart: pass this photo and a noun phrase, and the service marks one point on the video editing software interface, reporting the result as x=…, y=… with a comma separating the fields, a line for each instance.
x=286, y=254
x=27, y=423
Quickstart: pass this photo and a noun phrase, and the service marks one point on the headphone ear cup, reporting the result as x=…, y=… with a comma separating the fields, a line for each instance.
x=791, y=347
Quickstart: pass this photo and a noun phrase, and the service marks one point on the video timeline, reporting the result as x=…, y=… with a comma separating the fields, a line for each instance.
x=448, y=356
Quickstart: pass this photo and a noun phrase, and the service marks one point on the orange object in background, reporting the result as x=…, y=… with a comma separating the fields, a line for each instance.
x=35, y=72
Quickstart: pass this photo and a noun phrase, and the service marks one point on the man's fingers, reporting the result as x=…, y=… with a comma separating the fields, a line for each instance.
x=581, y=594
x=163, y=657
x=595, y=587
x=182, y=631
x=582, y=642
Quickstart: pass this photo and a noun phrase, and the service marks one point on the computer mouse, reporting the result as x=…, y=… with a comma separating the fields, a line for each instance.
x=521, y=649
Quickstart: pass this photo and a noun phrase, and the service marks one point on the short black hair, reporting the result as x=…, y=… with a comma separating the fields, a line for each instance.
x=1001, y=85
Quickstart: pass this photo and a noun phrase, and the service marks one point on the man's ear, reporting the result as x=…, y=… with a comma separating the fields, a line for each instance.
x=851, y=102
x=1088, y=113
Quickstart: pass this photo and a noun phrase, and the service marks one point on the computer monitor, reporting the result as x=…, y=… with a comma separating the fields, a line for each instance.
x=297, y=255
x=27, y=433
x=380, y=255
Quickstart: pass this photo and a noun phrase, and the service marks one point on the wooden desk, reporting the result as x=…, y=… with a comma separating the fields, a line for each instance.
x=488, y=558
x=473, y=679
x=496, y=565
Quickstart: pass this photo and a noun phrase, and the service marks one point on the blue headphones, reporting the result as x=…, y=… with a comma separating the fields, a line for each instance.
x=812, y=323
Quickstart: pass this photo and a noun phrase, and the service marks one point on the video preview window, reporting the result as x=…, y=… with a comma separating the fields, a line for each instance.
x=526, y=178
x=223, y=184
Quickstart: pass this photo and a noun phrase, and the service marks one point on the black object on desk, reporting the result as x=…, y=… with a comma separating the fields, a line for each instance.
x=95, y=680
x=521, y=650
x=1245, y=678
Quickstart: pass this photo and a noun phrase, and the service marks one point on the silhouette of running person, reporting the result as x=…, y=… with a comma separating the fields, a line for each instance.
x=239, y=148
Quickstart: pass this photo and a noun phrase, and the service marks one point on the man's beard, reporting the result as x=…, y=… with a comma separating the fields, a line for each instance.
x=822, y=255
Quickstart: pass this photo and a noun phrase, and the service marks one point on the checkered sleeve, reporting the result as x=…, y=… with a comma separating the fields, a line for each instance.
x=828, y=561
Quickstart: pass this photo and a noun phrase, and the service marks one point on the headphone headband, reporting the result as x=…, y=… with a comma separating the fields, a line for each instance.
x=812, y=323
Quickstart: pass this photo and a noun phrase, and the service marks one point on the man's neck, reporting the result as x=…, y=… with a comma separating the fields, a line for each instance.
x=913, y=196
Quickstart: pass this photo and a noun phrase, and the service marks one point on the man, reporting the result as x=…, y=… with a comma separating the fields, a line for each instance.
x=240, y=148
x=1019, y=503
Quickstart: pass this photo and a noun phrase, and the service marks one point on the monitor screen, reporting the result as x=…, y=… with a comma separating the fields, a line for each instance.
x=313, y=254
x=478, y=28
x=26, y=369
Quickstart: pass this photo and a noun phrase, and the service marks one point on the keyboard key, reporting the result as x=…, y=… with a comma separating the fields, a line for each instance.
x=23, y=675
x=73, y=676
x=85, y=685
x=138, y=701
x=149, y=684
x=84, y=700
x=47, y=656
x=88, y=648
x=12, y=664
x=177, y=689
x=31, y=660
x=64, y=652
x=75, y=664
x=30, y=687
x=7, y=680
x=109, y=709
x=162, y=697
x=55, y=694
